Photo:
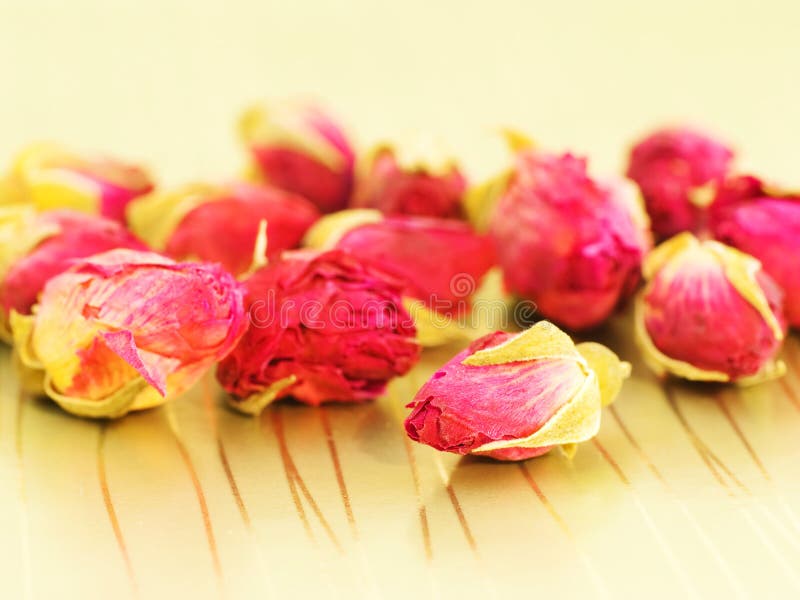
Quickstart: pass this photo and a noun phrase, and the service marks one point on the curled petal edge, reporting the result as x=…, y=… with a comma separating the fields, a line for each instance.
x=254, y=404
x=328, y=230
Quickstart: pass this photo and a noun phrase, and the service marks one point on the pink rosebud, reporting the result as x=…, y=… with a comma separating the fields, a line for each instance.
x=127, y=330
x=709, y=313
x=566, y=242
x=404, y=245
x=324, y=327
x=764, y=223
x=513, y=397
x=49, y=177
x=219, y=223
x=396, y=183
x=677, y=171
x=36, y=247
x=299, y=148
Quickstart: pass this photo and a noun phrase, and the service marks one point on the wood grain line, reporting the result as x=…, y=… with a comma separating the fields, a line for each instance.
x=199, y=493
x=451, y=494
x=611, y=462
x=633, y=442
x=337, y=468
x=791, y=395
x=295, y=479
x=422, y=510
x=111, y=510
x=723, y=407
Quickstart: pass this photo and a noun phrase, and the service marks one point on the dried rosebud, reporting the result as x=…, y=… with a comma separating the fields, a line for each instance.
x=324, y=327
x=299, y=148
x=49, y=177
x=678, y=171
x=410, y=183
x=403, y=246
x=709, y=313
x=566, y=242
x=35, y=247
x=764, y=223
x=127, y=330
x=219, y=223
x=513, y=397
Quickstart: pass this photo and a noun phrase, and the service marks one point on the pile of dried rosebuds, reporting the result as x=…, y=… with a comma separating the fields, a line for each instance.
x=324, y=274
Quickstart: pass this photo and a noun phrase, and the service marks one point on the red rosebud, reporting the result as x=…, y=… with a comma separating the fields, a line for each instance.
x=764, y=223
x=709, y=313
x=220, y=223
x=513, y=397
x=36, y=247
x=397, y=184
x=568, y=243
x=299, y=148
x=677, y=171
x=50, y=177
x=324, y=327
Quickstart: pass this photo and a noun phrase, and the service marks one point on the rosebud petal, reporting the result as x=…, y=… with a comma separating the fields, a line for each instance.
x=325, y=327
x=513, y=397
x=398, y=182
x=220, y=223
x=764, y=223
x=50, y=177
x=36, y=247
x=678, y=171
x=566, y=242
x=126, y=330
x=300, y=149
x=709, y=313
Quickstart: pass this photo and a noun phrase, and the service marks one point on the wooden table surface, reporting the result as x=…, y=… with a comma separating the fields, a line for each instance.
x=687, y=491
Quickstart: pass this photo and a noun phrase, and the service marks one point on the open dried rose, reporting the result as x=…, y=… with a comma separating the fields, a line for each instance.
x=35, y=247
x=324, y=327
x=513, y=397
x=567, y=242
x=765, y=223
x=50, y=177
x=678, y=171
x=441, y=261
x=709, y=313
x=399, y=182
x=219, y=223
x=299, y=148
x=126, y=330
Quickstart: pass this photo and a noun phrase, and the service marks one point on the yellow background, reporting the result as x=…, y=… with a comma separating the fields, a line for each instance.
x=691, y=494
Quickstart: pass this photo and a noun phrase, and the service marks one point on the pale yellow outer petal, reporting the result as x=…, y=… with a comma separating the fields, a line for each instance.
x=155, y=216
x=433, y=329
x=542, y=341
x=418, y=153
x=50, y=189
x=285, y=124
x=611, y=371
x=328, y=230
x=517, y=141
x=255, y=403
x=20, y=232
x=481, y=200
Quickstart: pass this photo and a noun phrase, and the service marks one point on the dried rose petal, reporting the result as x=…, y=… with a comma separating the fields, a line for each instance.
x=397, y=184
x=764, y=223
x=567, y=242
x=404, y=246
x=36, y=247
x=219, y=223
x=325, y=327
x=709, y=313
x=50, y=177
x=677, y=171
x=127, y=330
x=299, y=148
x=513, y=397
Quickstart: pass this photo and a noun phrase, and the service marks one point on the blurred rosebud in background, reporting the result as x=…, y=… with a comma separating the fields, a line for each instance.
x=219, y=223
x=50, y=177
x=709, y=313
x=299, y=148
x=678, y=171
x=764, y=223
x=37, y=246
x=412, y=179
x=127, y=330
x=513, y=397
x=568, y=243
x=441, y=261
x=324, y=327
